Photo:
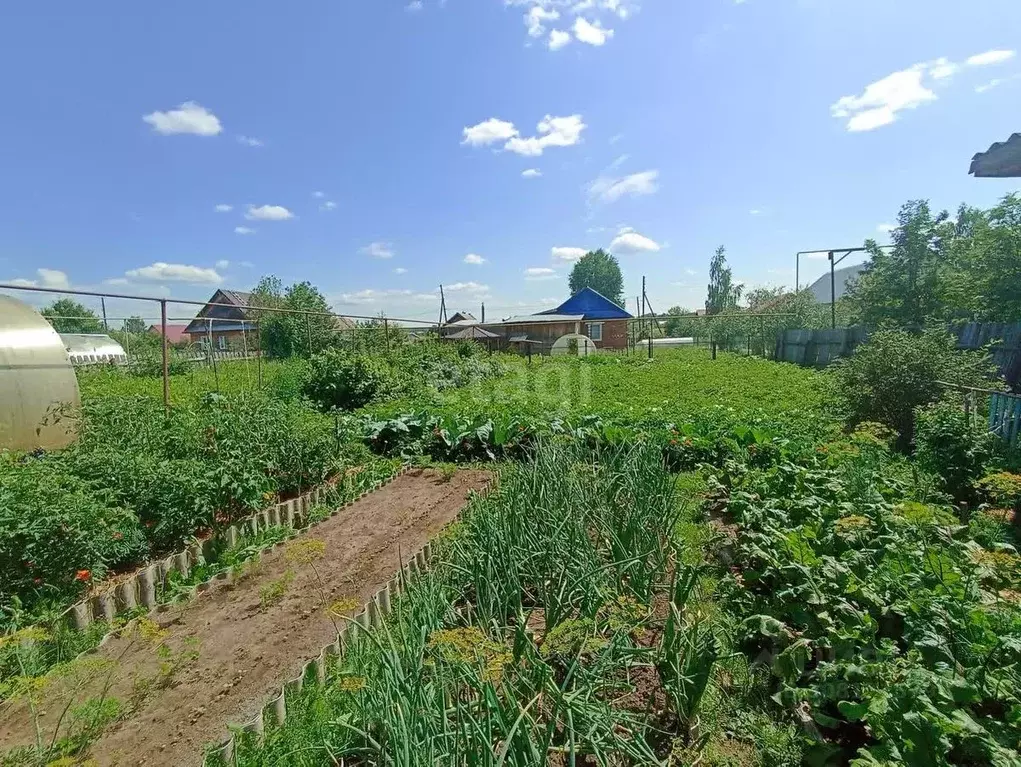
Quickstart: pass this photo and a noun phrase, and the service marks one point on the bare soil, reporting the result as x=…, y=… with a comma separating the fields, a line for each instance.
x=234, y=646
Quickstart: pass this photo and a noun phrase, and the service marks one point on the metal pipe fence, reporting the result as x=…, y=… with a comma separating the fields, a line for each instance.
x=243, y=342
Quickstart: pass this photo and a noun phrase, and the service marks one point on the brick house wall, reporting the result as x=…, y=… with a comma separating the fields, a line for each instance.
x=614, y=335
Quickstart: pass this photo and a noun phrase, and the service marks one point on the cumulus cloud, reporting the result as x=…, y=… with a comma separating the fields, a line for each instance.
x=531, y=173
x=558, y=38
x=222, y=264
x=319, y=195
x=45, y=278
x=474, y=258
x=466, y=287
x=593, y=34
x=189, y=117
x=566, y=255
x=268, y=213
x=160, y=271
x=400, y=270
x=886, y=228
x=328, y=205
x=379, y=250
x=243, y=230
x=414, y=6
x=223, y=208
x=631, y=242
x=552, y=132
x=609, y=189
x=536, y=17
x=489, y=132
x=251, y=141
x=882, y=101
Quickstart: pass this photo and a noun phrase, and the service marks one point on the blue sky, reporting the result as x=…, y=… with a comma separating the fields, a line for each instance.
x=378, y=148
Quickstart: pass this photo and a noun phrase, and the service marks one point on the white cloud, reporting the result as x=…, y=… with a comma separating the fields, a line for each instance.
x=474, y=258
x=558, y=38
x=880, y=102
x=610, y=189
x=540, y=273
x=565, y=255
x=370, y=296
x=996, y=82
x=328, y=205
x=319, y=195
x=243, y=230
x=531, y=173
x=466, y=287
x=489, y=132
x=223, y=208
x=630, y=242
x=593, y=34
x=47, y=278
x=553, y=131
x=222, y=264
x=117, y=281
x=268, y=213
x=886, y=228
x=400, y=270
x=251, y=141
x=883, y=100
x=535, y=18
x=990, y=57
x=414, y=6
x=188, y=118
x=379, y=250
x=163, y=272
x=755, y=212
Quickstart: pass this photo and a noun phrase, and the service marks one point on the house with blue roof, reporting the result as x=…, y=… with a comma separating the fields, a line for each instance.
x=587, y=312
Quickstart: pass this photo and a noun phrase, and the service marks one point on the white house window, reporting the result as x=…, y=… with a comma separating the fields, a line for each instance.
x=595, y=331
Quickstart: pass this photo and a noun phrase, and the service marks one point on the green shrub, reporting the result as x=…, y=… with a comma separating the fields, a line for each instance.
x=56, y=534
x=949, y=444
x=339, y=380
x=896, y=372
x=1002, y=488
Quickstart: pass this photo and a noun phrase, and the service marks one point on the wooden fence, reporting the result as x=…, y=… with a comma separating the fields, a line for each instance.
x=819, y=348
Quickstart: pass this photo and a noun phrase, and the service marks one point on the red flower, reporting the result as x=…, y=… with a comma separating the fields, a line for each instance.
x=37, y=581
x=82, y=575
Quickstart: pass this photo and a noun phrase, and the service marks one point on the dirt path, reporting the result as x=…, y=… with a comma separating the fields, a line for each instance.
x=252, y=635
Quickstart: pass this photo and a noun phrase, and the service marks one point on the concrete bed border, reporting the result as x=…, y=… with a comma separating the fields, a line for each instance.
x=139, y=590
x=314, y=671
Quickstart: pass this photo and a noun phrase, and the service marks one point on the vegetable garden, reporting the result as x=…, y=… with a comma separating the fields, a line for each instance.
x=684, y=561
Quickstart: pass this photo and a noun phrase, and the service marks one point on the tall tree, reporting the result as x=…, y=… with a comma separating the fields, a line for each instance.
x=283, y=334
x=135, y=325
x=68, y=316
x=600, y=271
x=909, y=284
x=993, y=262
x=723, y=294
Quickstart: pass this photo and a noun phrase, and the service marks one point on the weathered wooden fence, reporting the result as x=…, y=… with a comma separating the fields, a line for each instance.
x=1001, y=411
x=818, y=348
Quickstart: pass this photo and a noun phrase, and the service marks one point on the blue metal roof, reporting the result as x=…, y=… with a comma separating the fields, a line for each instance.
x=592, y=304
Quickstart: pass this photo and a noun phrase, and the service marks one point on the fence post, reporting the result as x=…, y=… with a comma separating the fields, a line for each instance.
x=386, y=332
x=166, y=362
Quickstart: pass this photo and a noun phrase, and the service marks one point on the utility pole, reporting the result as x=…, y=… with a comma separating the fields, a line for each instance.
x=443, y=309
x=102, y=303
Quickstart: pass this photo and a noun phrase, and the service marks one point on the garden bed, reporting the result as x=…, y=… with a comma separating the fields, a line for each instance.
x=180, y=680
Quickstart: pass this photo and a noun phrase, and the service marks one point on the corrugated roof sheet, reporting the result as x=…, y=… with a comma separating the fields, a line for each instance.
x=1001, y=160
x=592, y=305
x=471, y=332
x=175, y=333
x=529, y=319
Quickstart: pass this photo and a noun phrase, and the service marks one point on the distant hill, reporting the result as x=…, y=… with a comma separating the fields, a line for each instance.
x=842, y=277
